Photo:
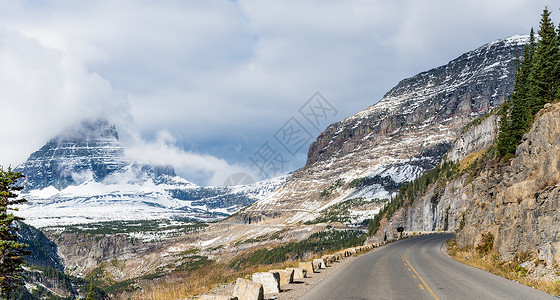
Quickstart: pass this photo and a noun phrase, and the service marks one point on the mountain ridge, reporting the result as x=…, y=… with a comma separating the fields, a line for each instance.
x=84, y=176
x=403, y=135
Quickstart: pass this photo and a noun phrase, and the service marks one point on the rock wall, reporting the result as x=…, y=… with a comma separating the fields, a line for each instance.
x=522, y=199
x=474, y=139
x=517, y=202
x=81, y=253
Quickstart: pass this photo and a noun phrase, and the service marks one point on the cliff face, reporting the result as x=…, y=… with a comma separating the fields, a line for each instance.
x=405, y=134
x=474, y=138
x=518, y=203
x=522, y=207
x=83, y=252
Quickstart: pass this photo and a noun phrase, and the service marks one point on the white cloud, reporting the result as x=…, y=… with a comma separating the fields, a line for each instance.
x=200, y=167
x=210, y=71
x=42, y=91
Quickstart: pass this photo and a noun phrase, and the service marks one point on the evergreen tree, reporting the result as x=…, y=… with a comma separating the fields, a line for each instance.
x=558, y=66
x=521, y=87
x=504, y=138
x=91, y=293
x=543, y=77
x=537, y=82
x=520, y=116
x=11, y=251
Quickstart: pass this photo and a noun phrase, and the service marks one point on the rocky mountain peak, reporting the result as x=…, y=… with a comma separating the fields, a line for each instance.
x=83, y=175
x=467, y=86
x=89, y=151
x=99, y=129
x=400, y=137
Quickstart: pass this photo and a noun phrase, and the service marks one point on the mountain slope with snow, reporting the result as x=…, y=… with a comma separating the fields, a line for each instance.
x=403, y=135
x=83, y=176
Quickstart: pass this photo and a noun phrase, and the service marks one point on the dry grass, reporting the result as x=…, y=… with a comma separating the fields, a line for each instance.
x=189, y=284
x=470, y=159
x=186, y=285
x=491, y=262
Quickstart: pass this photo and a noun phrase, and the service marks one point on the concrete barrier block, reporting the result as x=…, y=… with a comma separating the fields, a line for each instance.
x=299, y=273
x=269, y=280
x=217, y=297
x=326, y=259
x=248, y=290
x=307, y=266
x=286, y=276
x=319, y=263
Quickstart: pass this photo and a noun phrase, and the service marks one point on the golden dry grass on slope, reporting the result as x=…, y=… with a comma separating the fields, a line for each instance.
x=470, y=159
x=186, y=285
x=491, y=262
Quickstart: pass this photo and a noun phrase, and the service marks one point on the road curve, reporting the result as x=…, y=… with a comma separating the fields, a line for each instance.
x=417, y=269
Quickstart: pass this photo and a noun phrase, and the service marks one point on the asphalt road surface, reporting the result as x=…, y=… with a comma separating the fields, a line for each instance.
x=417, y=269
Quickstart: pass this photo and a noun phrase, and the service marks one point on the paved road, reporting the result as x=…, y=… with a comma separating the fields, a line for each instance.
x=417, y=269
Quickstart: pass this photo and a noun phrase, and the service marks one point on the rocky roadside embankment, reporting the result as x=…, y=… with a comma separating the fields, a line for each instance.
x=516, y=202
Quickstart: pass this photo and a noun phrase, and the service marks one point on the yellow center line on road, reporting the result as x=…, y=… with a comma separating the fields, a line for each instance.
x=419, y=277
x=421, y=286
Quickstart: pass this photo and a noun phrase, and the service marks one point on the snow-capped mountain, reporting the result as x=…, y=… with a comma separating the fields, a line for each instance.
x=403, y=135
x=90, y=151
x=83, y=176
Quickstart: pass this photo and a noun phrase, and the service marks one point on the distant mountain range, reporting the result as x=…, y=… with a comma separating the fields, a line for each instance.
x=83, y=176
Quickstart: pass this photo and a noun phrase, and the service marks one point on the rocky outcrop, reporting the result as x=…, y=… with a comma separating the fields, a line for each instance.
x=44, y=252
x=475, y=137
x=81, y=253
x=403, y=135
x=518, y=203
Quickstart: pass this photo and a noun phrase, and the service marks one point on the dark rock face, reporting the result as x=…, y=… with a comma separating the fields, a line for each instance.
x=472, y=84
x=44, y=252
x=90, y=150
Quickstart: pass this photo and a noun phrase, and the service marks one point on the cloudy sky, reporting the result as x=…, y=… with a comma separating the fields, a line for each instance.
x=205, y=85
